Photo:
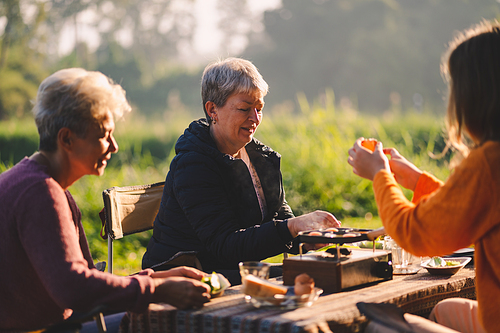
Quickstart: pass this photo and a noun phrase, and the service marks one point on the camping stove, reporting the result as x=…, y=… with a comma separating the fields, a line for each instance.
x=340, y=269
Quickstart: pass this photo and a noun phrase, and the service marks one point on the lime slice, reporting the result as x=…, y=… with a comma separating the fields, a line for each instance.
x=437, y=262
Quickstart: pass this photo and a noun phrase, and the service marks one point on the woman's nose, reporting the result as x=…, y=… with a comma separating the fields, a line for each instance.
x=255, y=115
x=113, y=145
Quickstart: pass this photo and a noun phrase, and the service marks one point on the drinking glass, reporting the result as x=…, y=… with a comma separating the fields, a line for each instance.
x=257, y=268
x=403, y=262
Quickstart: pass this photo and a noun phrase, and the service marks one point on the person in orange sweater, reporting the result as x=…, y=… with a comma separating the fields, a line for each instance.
x=465, y=210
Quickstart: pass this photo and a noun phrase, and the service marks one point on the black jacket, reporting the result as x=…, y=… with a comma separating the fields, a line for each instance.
x=209, y=205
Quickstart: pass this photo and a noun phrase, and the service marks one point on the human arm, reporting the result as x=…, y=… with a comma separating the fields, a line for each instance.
x=182, y=271
x=426, y=184
x=312, y=221
x=181, y=292
x=453, y=216
x=284, y=212
x=227, y=226
x=49, y=236
x=411, y=177
x=51, y=241
x=405, y=173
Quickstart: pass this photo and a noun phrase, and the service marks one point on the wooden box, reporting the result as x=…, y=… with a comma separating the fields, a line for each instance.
x=362, y=267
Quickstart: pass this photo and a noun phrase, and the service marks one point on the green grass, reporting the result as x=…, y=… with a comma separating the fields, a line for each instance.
x=313, y=145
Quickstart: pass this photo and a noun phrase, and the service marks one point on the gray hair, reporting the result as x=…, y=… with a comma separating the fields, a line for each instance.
x=231, y=76
x=75, y=98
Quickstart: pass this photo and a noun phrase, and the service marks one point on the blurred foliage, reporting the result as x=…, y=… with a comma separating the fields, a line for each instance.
x=17, y=89
x=375, y=54
x=31, y=39
x=21, y=66
x=365, y=50
x=313, y=145
x=154, y=29
x=18, y=138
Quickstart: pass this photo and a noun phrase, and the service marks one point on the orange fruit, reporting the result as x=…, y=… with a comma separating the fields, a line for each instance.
x=369, y=144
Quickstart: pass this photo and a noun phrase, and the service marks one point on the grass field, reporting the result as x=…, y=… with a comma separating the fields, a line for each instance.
x=313, y=145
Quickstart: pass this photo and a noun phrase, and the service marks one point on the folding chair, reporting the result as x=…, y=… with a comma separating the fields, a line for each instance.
x=387, y=315
x=129, y=210
x=75, y=321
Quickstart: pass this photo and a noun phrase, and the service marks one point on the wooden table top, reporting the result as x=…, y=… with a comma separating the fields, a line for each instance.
x=336, y=312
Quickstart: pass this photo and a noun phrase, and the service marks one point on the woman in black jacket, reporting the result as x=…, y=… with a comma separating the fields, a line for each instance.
x=223, y=195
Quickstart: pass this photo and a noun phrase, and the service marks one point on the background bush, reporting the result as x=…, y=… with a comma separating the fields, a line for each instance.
x=313, y=145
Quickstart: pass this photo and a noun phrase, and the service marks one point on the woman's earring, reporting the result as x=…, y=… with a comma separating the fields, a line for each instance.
x=214, y=121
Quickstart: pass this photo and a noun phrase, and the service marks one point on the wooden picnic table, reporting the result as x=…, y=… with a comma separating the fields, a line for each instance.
x=336, y=312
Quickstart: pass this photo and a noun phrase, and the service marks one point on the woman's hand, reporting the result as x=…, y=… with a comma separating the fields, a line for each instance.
x=406, y=173
x=365, y=163
x=181, y=292
x=182, y=271
x=312, y=221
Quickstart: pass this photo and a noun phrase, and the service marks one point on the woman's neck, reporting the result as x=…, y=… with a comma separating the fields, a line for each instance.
x=55, y=168
x=223, y=147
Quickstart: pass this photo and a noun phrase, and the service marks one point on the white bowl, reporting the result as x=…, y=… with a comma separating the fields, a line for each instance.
x=447, y=270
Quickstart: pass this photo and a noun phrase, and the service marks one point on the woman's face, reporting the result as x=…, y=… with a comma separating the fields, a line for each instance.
x=91, y=153
x=236, y=121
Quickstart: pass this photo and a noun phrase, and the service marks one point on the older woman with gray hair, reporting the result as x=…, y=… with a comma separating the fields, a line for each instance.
x=223, y=196
x=47, y=269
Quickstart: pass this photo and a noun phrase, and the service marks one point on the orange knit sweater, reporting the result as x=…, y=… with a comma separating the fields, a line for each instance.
x=445, y=217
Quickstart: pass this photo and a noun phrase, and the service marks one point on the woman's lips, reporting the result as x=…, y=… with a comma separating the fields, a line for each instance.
x=251, y=129
x=104, y=161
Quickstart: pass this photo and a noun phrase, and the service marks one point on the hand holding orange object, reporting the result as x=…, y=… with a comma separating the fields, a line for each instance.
x=369, y=144
x=366, y=163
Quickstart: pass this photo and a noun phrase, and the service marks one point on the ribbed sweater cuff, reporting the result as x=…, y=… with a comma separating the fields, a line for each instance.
x=283, y=232
x=145, y=290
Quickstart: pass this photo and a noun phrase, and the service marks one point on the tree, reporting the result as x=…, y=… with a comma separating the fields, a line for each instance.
x=234, y=24
x=29, y=44
x=20, y=61
x=155, y=29
x=366, y=50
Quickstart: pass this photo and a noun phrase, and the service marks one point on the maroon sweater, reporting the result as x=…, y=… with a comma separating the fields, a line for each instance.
x=46, y=266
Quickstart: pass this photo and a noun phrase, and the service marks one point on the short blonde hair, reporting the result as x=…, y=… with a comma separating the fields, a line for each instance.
x=75, y=98
x=227, y=77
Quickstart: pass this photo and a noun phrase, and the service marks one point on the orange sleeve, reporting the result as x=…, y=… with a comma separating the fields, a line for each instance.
x=426, y=184
x=439, y=222
x=446, y=217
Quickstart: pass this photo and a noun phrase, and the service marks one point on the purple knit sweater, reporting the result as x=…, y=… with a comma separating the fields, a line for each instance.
x=45, y=263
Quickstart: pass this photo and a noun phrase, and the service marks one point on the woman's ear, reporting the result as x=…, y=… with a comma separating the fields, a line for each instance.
x=211, y=109
x=65, y=138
